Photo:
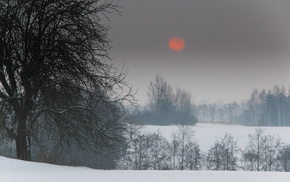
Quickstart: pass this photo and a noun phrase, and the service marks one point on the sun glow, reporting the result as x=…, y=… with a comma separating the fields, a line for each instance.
x=176, y=44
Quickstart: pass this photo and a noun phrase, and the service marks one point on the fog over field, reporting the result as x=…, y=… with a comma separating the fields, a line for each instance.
x=231, y=46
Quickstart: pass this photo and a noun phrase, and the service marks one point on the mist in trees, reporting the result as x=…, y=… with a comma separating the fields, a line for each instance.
x=167, y=106
x=269, y=108
x=219, y=112
x=265, y=108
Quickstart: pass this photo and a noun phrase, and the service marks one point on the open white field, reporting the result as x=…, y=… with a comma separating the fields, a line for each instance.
x=207, y=133
x=12, y=170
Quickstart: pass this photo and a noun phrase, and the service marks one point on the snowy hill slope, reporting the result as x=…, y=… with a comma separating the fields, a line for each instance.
x=207, y=133
x=12, y=170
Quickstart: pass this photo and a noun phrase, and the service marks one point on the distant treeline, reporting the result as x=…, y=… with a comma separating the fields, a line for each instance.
x=167, y=106
x=265, y=108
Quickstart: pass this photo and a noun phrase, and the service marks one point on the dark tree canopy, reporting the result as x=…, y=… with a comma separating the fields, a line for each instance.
x=52, y=63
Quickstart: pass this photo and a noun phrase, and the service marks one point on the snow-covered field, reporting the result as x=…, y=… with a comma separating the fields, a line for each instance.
x=12, y=170
x=206, y=133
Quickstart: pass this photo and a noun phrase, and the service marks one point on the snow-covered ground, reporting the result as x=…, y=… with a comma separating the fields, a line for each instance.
x=12, y=170
x=206, y=133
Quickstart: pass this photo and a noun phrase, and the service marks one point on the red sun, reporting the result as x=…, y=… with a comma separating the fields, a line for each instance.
x=176, y=44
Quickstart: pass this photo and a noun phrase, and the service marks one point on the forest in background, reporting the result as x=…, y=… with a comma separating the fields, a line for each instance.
x=264, y=108
x=167, y=106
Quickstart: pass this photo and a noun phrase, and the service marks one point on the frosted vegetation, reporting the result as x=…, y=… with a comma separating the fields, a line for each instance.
x=207, y=147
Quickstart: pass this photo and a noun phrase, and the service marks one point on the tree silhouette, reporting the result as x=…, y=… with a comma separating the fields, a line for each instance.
x=52, y=62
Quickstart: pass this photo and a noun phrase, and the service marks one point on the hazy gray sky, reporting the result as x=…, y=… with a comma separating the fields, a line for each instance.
x=231, y=46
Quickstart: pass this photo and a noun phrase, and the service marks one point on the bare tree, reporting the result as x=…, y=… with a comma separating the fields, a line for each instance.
x=146, y=151
x=52, y=56
x=203, y=112
x=213, y=112
x=167, y=106
x=193, y=156
x=223, y=155
x=161, y=100
x=184, y=109
x=175, y=150
x=284, y=158
x=214, y=157
x=183, y=145
x=159, y=151
x=272, y=148
x=253, y=105
x=253, y=156
x=265, y=109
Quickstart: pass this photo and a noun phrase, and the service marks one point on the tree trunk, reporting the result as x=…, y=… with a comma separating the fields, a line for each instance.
x=279, y=113
x=22, y=140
